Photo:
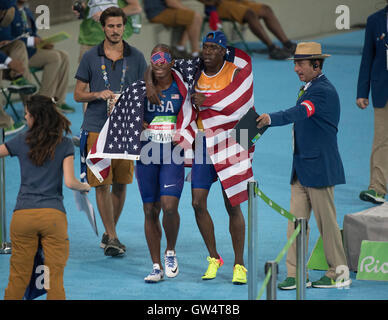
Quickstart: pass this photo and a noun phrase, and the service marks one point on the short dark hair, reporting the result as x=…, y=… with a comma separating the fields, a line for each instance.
x=112, y=12
x=320, y=62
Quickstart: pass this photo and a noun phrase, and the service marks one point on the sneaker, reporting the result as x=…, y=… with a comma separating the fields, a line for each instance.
x=277, y=53
x=326, y=282
x=104, y=240
x=239, y=274
x=214, y=265
x=156, y=275
x=16, y=127
x=171, y=264
x=22, y=85
x=290, y=48
x=372, y=196
x=65, y=108
x=290, y=284
x=113, y=248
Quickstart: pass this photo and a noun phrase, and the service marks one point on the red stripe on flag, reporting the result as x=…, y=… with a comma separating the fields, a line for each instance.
x=229, y=109
x=238, y=198
x=233, y=180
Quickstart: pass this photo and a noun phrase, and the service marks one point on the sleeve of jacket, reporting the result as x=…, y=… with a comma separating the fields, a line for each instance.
x=368, y=55
x=304, y=109
x=3, y=57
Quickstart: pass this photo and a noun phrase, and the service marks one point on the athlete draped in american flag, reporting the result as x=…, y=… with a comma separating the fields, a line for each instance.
x=221, y=86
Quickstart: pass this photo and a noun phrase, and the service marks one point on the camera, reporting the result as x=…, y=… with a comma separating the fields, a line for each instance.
x=77, y=6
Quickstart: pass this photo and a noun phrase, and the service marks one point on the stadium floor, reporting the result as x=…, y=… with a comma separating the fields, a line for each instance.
x=89, y=275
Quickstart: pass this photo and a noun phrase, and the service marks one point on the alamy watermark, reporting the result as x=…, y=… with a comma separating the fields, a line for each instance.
x=42, y=20
x=343, y=20
x=43, y=280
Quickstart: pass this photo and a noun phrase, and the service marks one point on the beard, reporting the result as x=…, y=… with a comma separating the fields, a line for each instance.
x=114, y=38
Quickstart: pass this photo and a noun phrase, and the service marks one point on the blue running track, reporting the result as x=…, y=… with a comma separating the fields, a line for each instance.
x=92, y=276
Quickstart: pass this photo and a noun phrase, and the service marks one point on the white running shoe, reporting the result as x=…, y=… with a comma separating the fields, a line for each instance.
x=171, y=264
x=156, y=275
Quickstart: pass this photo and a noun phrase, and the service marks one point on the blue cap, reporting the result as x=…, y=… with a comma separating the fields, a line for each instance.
x=216, y=37
x=6, y=4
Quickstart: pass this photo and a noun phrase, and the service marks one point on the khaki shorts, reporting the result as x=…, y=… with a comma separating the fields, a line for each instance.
x=235, y=10
x=121, y=171
x=174, y=17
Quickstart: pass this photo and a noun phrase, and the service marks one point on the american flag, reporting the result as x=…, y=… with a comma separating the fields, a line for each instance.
x=220, y=113
x=120, y=136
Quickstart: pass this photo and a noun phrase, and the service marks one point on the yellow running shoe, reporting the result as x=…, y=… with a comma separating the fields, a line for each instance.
x=239, y=274
x=214, y=265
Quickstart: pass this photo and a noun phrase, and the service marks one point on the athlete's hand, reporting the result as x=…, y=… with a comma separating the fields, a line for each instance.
x=153, y=94
x=197, y=99
x=145, y=125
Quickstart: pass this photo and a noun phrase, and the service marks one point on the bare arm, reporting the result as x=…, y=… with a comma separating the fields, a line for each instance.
x=3, y=151
x=82, y=95
x=70, y=180
x=132, y=8
x=151, y=90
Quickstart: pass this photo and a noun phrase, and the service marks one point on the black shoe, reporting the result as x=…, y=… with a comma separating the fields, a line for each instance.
x=114, y=248
x=179, y=54
x=104, y=240
x=290, y=47
x=277, y=53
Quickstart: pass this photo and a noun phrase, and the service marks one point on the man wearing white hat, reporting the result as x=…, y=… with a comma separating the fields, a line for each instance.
x=317, y=165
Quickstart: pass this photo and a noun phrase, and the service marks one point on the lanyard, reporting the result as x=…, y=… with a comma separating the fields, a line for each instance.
x=105, y=74
x=25, y=20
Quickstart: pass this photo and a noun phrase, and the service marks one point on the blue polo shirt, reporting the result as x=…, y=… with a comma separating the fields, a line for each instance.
x=41, y=186
x=89, y=71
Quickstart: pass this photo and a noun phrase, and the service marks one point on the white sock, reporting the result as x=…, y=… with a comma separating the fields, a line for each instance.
x=156, y=266
x=195, y=54
x=180, y=48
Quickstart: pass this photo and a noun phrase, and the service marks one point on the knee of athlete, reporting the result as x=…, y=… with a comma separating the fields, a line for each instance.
x=199, y=205
x=170, y=211
x=151, y=214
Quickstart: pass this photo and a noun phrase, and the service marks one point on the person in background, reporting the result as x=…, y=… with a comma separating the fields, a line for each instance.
x=374, y=75
x=46, y=157
x=14, y=61
x=172, y=13
x=55, y=63
x=107, y=69
x=250, y=12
